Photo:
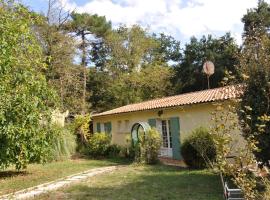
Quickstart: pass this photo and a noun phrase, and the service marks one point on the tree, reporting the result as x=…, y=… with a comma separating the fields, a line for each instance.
x=155, y=81
x=257, y=19
x=25, y=98
x=167, y=50
x=84, y=25
x=59, y=49
x=221, y=51
x=129, y=68
x=255, y=69
x=128, y=48
x=109, y=92
x=101, y=97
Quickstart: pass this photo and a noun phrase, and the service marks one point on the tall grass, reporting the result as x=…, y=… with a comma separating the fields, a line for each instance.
x=64, y=145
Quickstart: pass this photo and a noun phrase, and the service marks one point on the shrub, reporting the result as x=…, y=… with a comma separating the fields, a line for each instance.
x=99, y=144
x=64, y=144
x=198, y=149
x=80, y=127
x=114, y=150
x=147, y=149
x=127, y=150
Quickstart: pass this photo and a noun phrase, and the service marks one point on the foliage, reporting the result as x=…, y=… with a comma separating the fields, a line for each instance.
x=130, y=60
x=147, y=149
x=257, y=19
x=64, y=144
x=252, y=110
x=58, y=48
x=167, y=50
x=221, y=51
x=266, y=193
x=151, y=78
x=198, y=149
x=225, y=124
x=255, y=69
x=134, y=61
x=138, y=86
x=24, y=94
x=114, y=151
x=85, y=25
x=81, y=128
x=99, y=144
x=128, y=48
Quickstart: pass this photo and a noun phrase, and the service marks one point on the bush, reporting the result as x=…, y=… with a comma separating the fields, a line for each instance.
x=147, y=149
x=198, y=149
x=80, y=127
x=64, y=144
x=114, y=150
x=26, y=99
x=99, y=144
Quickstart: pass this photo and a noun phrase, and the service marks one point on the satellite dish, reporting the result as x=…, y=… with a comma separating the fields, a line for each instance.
x=208, y=69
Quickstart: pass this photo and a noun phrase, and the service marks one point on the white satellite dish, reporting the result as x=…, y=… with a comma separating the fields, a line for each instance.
x=208, y=69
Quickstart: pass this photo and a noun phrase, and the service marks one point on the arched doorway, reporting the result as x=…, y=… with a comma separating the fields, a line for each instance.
x=138, y=129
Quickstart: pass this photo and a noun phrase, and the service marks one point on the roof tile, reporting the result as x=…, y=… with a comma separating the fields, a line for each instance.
x=216, y=94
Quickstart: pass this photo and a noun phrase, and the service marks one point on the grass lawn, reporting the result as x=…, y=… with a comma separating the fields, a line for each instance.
x=35, y=174
x=145, y=182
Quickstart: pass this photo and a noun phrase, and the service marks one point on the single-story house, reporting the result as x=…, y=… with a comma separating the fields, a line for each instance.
x=174, y=117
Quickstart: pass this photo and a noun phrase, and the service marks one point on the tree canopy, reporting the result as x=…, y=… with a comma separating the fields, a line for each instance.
x=255, y=70
x=221, y=51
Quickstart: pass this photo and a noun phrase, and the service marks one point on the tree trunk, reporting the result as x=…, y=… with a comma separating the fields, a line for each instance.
x=62, y=92
x=84, y=65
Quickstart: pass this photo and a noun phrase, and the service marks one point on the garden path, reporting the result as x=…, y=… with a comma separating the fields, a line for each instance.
x=54, y=185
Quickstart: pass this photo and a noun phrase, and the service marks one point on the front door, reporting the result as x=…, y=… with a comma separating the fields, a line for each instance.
x=166, y=149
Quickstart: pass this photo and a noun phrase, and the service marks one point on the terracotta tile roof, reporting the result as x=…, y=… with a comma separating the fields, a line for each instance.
x=216, y=94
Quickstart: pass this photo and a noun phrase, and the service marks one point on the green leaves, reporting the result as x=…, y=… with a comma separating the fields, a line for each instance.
x=24, y=95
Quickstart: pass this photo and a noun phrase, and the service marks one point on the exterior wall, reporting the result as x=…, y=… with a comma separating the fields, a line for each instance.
x=190, y=117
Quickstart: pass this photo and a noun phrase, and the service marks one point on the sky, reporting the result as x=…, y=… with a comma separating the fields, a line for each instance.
x=180, y=18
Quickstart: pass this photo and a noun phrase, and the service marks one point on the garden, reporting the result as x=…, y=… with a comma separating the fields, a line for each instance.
x=38, y=76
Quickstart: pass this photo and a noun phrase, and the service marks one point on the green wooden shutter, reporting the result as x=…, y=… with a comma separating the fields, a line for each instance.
x=175, y=131
x=98, y=127
x=152, y=122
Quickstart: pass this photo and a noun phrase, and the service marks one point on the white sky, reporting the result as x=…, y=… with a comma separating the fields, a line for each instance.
x=179, y=18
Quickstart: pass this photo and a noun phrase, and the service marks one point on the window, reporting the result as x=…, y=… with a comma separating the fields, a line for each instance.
x=107, y=127
x=166, y=134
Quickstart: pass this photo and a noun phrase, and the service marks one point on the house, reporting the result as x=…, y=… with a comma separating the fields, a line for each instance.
x=174, y=117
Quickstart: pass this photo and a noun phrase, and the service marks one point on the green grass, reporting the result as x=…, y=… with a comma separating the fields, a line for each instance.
x=145, y=183
x=11, y=181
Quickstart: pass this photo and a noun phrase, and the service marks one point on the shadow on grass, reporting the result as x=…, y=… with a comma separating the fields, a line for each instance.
x=8, y=174
x=154, y=182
